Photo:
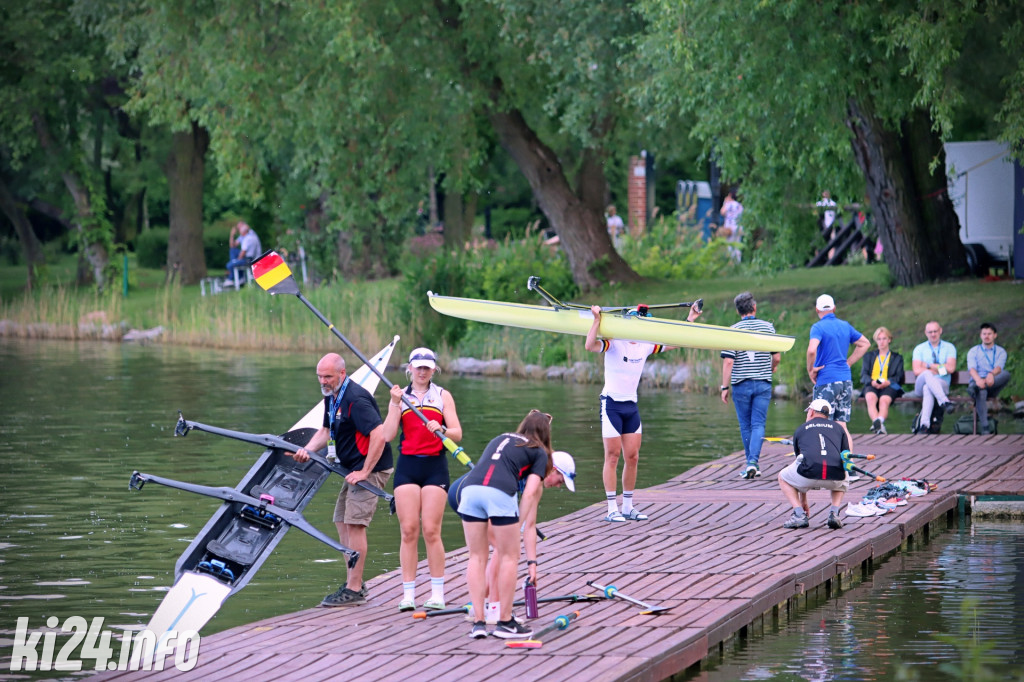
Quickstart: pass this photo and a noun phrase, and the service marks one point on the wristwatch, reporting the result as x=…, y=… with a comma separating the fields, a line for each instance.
x=725, y=388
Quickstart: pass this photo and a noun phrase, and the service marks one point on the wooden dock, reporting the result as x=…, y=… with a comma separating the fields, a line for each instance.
x=714, y=550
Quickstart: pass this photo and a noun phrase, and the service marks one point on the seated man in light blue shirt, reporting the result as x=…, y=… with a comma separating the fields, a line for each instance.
x=934, y=362
x=987, y=364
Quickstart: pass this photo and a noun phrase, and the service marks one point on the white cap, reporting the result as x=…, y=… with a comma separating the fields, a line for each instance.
x=821, y=405
x=566, y=466
x=825, y=302
x=423, y=357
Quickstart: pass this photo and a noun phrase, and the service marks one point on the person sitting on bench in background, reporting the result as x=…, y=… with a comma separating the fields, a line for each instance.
x=881, y=375
x=249, y=247
x=987, y=364
x=934, y=363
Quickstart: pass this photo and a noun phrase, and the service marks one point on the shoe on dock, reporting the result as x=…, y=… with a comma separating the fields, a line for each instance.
x=797, y=522
x=833, y=521
x=634, y=515
x=343, y=597
x=511, y=629
x=615, y=517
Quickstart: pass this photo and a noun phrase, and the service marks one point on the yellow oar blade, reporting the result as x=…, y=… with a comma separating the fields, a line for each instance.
x=273, y=274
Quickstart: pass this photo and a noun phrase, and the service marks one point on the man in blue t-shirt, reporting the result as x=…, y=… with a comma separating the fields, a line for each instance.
x=827, y=362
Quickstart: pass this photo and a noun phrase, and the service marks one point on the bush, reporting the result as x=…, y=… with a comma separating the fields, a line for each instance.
x=151, y=248
x=667, y=251
x=495, y=272
x=512, y=222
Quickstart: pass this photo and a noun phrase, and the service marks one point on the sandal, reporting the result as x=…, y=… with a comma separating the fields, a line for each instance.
x=615, y=517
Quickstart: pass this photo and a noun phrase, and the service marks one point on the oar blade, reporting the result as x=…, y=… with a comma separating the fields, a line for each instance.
x=273, y=274
x=524, y=644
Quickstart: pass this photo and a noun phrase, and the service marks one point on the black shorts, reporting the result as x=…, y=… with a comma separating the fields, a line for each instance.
x=422, y=470
x=889, y=390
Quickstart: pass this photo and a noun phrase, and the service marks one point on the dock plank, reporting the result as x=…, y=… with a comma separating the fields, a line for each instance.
x=714, y=551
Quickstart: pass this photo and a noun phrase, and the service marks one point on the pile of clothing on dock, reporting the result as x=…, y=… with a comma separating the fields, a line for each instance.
x=884, y=498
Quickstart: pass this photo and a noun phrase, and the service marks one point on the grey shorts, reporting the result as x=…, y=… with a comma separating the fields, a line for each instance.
x=803, y=484
x=480, y=503
x=840, y=395
x=356, y=506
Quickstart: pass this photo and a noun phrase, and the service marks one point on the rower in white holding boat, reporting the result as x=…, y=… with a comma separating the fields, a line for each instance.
x=620, y=417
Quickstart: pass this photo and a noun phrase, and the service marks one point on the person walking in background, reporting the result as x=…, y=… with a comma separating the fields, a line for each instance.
x=748, y=376
x=353, y=433
x=828, y=214
x=934, y=362
x=987, y=364
x=616, y=228
x=818, y=445
x=828, y=365
x=620, y=417
x=881, y=375
x=421, y=475
x=731, y=211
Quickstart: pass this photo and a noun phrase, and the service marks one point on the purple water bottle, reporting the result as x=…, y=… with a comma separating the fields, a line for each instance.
x=530, y=595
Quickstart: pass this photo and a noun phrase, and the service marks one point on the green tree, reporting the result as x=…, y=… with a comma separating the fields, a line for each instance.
x=53, y=112
x=783, y=90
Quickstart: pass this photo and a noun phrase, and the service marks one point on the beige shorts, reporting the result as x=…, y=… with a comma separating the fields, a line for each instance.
x=803, y=484
x=356, y=506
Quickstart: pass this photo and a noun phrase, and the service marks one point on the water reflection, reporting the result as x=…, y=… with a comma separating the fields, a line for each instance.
x=921, y=616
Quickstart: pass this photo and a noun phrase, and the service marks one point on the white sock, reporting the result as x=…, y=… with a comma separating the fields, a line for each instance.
x=612, y=505
x=409, y=591
x=437, y=588
x=627, y=501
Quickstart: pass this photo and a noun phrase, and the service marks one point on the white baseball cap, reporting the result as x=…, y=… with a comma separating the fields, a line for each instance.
x=825, y=302
x=820, y=405
x=566, y=466
x=423, y=357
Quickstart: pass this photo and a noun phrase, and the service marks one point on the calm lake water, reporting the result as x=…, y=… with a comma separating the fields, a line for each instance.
x=77, y=419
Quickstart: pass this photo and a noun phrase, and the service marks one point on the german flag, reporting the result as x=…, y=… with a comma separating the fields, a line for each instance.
x=273, y=274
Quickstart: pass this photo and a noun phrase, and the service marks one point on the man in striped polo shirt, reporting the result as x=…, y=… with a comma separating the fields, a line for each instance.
x=747, y=375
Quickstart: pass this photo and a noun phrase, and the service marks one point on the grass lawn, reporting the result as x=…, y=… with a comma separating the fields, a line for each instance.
x=363, y=311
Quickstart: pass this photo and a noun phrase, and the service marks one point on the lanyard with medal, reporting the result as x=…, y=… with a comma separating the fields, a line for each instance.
x=332, y=451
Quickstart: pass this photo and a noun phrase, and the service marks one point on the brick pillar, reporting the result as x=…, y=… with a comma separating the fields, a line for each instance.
x=637, y=209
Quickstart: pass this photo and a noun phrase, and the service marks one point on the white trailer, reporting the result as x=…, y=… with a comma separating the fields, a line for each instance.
x=985, y=187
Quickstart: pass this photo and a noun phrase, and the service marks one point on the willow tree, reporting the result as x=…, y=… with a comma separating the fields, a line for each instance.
x=791, y=93
x=358, y=100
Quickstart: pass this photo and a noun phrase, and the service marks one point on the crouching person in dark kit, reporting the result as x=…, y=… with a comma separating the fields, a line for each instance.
x=818, y=445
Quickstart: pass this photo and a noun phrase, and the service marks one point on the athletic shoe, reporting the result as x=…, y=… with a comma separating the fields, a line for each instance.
x=876, y=425
x=853, y=477
x=833, y=521
x=750, y=472
x=881, y=428
x=407, y=605
x=433, y=604
x=511, y=629
x=343, y=597
x=634, y=515
x=615, y=517
x=479, y=630
x=797, y=522
x=949, y=407
x=363, y=592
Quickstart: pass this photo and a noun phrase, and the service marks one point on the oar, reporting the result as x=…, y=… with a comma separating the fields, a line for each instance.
x=612, y=592
x=849, y=466
x=293, y=518
x=778, y=439
x=571, y=598
x=184, y=426
x=275, y=277
x=533, y=284
x=561, y=623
